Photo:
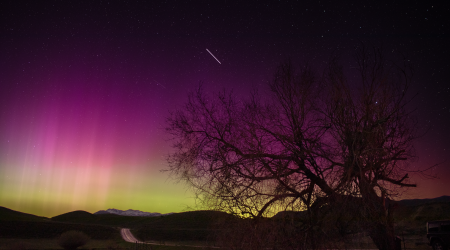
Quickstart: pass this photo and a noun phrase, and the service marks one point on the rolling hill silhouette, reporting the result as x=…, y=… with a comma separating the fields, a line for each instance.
x=114, y=220
x=192, y=225
x=7, y=214
x=424, y=210
x=15, y=224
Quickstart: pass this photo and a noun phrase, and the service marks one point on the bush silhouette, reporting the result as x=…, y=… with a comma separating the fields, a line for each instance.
x=71, y=240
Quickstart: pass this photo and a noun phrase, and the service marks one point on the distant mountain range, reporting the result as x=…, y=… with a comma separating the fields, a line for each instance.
x=417, y=202
x=408, y=209
x=130, y=212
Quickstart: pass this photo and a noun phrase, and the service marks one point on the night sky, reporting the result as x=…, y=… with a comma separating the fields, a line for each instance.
x=86, y=86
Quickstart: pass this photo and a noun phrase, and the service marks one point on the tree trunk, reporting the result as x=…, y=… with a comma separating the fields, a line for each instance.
x=383, y=236
x=380, y=220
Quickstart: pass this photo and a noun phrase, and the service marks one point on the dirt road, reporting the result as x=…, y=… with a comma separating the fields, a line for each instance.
x=128, y=236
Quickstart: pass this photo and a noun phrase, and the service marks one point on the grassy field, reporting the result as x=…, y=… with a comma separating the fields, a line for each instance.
x=31, y=229
x=12, y=243
x=24, y=244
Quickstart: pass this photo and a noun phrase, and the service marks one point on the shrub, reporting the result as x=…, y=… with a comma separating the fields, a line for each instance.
x=19, y=246
x=72, y=240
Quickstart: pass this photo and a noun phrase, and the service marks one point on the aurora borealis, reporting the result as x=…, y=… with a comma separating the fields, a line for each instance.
x=83, y=144
x=86, y=87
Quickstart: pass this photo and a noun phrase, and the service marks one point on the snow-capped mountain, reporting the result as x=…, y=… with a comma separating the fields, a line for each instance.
x=129, y=212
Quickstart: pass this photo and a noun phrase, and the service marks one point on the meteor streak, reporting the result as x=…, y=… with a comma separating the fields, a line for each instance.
x=213, y=56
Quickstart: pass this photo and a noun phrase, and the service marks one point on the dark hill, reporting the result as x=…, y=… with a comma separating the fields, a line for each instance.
x=7, y=214
x=423, y=212
x=188, y=220
x=412, y=209
x=75, y=216
x=417, y=202
x=34, y=229
x=301, y=215
x=113, y=220
x=193, y=225
x=15, y=224
x=184, y=220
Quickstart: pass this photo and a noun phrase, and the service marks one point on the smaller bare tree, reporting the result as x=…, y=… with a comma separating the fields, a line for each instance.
x=71, y=240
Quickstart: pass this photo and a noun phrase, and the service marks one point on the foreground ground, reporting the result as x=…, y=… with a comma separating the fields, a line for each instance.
x=29, y=244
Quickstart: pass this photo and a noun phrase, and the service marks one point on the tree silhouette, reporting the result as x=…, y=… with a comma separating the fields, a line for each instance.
x=315, y=144
x=71, y=240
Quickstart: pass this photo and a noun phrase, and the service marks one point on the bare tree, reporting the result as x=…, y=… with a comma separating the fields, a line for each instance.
x=310, y=144
x=71, y=240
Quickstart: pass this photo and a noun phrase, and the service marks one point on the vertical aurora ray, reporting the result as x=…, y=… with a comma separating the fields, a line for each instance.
x=83, y=144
